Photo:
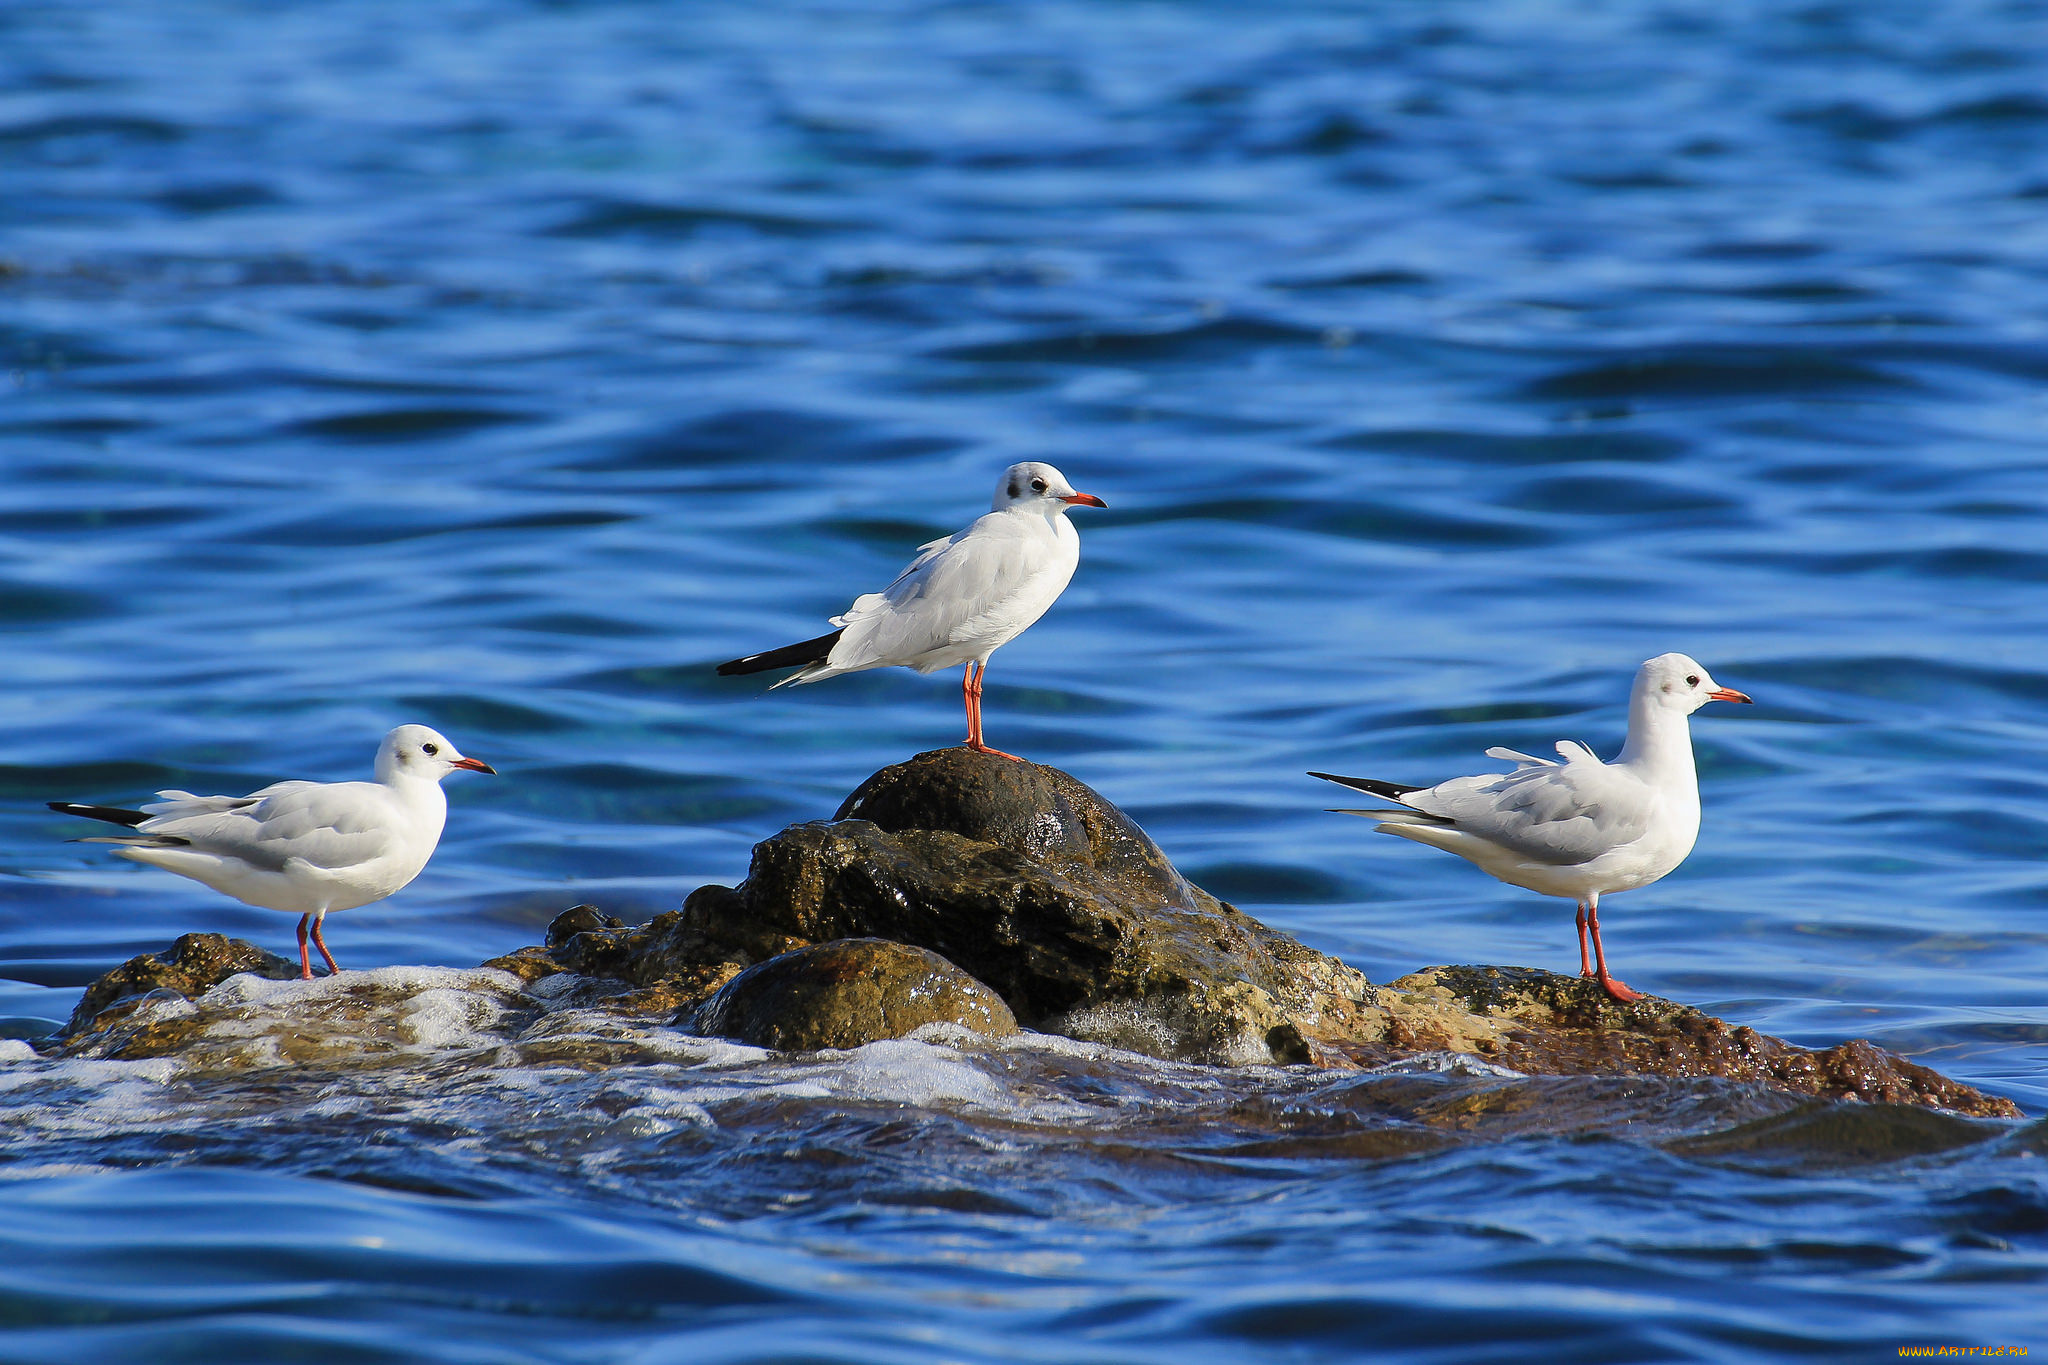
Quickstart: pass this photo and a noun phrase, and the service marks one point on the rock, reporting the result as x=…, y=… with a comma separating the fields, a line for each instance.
x=969, y=884
x=846, y=993
x=1817, y=1135
x=1034, y=884
x=1039, y=812
x=665, y=965
x=580, y=919
x=1544, y=1024
x=195, y=964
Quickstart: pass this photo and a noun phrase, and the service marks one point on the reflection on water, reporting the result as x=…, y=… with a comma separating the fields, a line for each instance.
x=504, y=368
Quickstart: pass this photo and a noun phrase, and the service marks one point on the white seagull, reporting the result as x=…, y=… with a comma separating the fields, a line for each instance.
x=1580, y=828
x=305, y=847
x=960, y=600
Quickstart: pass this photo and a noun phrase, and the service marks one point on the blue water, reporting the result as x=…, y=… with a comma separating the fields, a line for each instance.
x=505, y=365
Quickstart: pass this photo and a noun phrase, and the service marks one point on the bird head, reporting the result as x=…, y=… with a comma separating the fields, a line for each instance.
x=424, y=752
x=1037, y=485
x=1678, y=681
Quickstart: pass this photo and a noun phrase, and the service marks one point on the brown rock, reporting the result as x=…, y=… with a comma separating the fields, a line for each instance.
x=1817, y=1134
x=195, y=964
x=849, y=992
x=982, y=874
x=1545, y=1024
x=1036, y=885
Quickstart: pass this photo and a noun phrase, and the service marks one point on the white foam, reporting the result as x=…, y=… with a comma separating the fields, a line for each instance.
x=55, y=1170
x=248, y=989
x=555, y=984
x=16, y=1050
x=1445, y=1064
x=451, y=1018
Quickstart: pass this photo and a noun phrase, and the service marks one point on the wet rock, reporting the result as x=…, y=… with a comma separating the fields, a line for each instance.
x=1041, y=813
x=849, y=992
x=195, y=964
x=1818, y=1134
x=580, y=919
x=991, y=883
x=1037, y=886
x=356, y=1021
x=672, y=962
x=1541, y=1023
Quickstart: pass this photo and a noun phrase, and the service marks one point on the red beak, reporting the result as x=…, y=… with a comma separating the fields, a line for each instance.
x=1727, y=694
x=1084, y=500
x=477, y=765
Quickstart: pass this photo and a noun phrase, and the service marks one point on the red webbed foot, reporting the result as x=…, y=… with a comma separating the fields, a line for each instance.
x=981, y=748
x=1619, y=990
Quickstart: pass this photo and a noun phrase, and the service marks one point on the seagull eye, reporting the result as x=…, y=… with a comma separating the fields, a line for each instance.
x=1692, y=680
x=1038, y=485
x=431, y=749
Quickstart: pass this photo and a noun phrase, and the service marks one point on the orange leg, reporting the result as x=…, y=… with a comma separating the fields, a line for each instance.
x=305, y=958
x=321, y=943
x=1585, y=962
x=970, y=689
x=1618, y=989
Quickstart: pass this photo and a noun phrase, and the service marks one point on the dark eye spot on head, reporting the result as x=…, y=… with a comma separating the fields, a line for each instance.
x=1016, y=488
x=431, y=749
x=1691, y=680
x=1038, y=485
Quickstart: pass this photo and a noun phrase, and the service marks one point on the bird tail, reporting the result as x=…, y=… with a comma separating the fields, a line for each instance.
x=1394, y=817
x=803, y=653
x=113, y=815
x=1392, y=791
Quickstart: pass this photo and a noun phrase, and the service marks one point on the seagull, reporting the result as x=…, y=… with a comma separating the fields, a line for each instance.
x=1580, y=828
x=960, y=600
x=306, y=847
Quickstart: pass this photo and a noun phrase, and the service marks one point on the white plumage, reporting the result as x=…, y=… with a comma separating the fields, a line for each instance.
x=960, y=600
x=1579, y=828
x=304, y=847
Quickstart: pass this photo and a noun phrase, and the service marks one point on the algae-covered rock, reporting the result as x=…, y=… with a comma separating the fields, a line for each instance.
x=976, y=883
x=1542, y=1023
x=849, y=992
x=195, y=964
x=656, y=968
x=1034, y=884
x=1822, y=1135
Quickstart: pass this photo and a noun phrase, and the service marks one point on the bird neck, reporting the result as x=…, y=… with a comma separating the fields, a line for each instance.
x=421, y=794
x=1659, y=742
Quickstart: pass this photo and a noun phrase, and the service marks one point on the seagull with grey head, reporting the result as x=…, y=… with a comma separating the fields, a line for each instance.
x=960, y=600
x=1580, y=828
x=309, y=848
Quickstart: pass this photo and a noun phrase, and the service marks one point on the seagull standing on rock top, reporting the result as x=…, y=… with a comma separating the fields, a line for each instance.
x=960, y=600
x=306, y=847
x=1580, y=828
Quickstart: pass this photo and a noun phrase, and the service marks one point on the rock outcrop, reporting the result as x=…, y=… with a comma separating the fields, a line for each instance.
x=846, y=993
x=1543, y=1024
x=989, y=893
x=1036, y=885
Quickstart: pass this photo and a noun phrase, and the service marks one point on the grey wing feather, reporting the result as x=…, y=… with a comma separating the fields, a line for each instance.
x=328, y=825
x=1564, y=814
x=938, y=596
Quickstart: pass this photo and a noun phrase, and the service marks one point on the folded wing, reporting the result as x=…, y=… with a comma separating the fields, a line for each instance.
x=957, y=590
x=1560, y=813
x=333, y=826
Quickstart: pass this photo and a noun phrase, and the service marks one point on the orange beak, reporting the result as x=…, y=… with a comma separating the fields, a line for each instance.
x=477, y=765
x=1727, y=694
x=1084, y=500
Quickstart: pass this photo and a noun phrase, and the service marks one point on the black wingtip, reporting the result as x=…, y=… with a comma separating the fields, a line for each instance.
x=113, y=815
x=1393, y=791
x=789, y=656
